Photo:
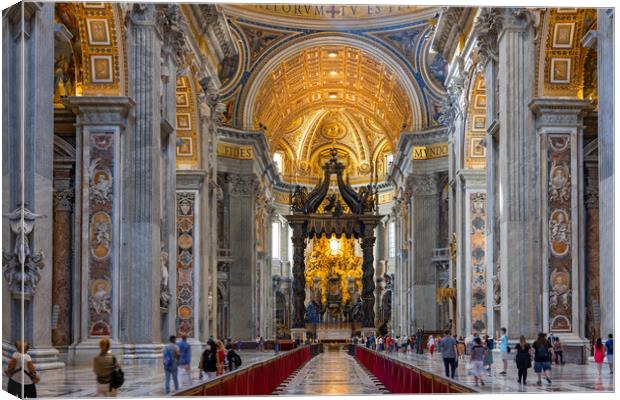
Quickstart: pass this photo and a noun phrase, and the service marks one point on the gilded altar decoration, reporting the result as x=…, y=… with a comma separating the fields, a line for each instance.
x=101, y=233
x=477, y=238
x=333, y=270
x=559, y=231
x=185, y=262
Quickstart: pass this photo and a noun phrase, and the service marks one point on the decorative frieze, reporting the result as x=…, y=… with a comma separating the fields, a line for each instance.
x=186, y=220
x=422, y=184
x=559, y=232
x=100, y=233
x=477, y=256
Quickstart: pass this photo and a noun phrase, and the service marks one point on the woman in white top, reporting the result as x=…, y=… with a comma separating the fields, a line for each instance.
x=21, y=373
x=431, y=345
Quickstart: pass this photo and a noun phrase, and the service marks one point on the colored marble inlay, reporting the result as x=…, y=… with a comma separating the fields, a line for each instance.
x=559, y=232
x=185, y=263
x=477, y=238
x=100, y=233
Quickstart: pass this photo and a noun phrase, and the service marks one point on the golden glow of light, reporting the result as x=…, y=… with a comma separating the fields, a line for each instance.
x=332, y=72
x=334, y=245
x=332, y=54
x=333, y=95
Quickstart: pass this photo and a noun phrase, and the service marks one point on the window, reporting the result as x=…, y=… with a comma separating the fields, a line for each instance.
x=389, y=160
x=277, y=161
x=275, y=240
x=391, y=240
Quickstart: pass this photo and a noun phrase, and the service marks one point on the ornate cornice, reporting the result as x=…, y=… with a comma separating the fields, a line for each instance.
x=215, y=26
x=100, y=110
x=551, y=111
x=449, y=29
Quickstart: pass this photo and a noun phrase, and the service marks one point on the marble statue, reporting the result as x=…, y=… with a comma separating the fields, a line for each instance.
x=164, y=294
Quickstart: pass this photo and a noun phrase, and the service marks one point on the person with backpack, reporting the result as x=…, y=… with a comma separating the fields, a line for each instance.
x=207, y=367
x=542, y=358
x=476, y=361
x=558, y=351
x=234, y=361
x=185, y=359
x=107, y=371
x=609, y=346
x=523, y=359
x=22, y=373
x=171, y=364
x=488, y=358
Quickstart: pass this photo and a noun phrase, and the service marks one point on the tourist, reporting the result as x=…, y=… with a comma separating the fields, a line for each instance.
x=207, y=367
x=551, y=338
x=234, y=361
x=220, y=357
x=103, y=366
x=380, y=344
x=609, y=346
x=22, y=373
x=185, y=358
x=523, y=359
x=472, y=343
x=238, y=345
x=260, y=343
x=448, y=353
x=542, y=358
x=431, y=345
x=599, y=354
x=488, y=358
x=460, y=346
x=505, y=350
x=171, y=364
x=476, y=367
x=558, y=351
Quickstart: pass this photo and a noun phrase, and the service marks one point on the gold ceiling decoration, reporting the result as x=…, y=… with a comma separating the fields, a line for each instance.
x=475, y=150
x=332, y=96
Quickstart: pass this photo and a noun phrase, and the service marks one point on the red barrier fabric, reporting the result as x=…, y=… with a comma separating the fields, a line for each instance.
x=257, y=380
x=400, y=378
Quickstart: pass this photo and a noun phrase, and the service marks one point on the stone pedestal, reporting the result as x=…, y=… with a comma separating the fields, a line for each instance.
x=298, y=334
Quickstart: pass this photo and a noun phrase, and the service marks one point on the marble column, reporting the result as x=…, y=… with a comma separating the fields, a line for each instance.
x=142, y=187
x=605, y=58
x=559, y=123
x=243, y=268
x=425, y=217
x=101, y=124
x=27, y=135
x=62, y=261
x=474, y=252
x=368, y=283
x=519, y=177
x=486, y=31
x=172, y=50
x=299, y=280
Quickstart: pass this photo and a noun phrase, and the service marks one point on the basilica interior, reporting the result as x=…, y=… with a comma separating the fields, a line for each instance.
x=303, y=172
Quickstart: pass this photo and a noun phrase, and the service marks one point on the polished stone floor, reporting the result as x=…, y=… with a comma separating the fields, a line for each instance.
x=333, y=372
x=143, y=380
x=564, y=378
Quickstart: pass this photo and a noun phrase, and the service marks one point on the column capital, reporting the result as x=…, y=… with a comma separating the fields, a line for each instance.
x=63, y=200
x=487, y=27
x=100, y=110
x=552, y=111
x=173, y=31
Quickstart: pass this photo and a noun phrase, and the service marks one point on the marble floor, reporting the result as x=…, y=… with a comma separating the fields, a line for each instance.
x=143, y=380
x=333, y=372
x=564, y=378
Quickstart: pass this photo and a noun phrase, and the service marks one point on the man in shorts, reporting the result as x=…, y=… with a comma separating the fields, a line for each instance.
x=505, y=350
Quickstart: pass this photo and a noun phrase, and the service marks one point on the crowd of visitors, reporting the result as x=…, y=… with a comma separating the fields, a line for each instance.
x=540, y=354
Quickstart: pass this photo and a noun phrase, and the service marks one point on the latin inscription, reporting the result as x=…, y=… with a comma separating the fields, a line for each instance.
x=333, y=11
x=235, y=152
x=429, y=152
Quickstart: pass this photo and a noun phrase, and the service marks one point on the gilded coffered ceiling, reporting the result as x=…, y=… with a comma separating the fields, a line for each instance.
x=315, y=77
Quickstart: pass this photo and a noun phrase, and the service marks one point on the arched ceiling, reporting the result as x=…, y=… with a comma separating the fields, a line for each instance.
x=331, y=78
x=353, y=79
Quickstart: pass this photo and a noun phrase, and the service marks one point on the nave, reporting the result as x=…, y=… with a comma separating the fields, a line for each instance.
x=333, y=372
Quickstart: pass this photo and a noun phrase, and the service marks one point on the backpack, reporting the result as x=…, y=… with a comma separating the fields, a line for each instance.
x=236, y=359
x=118, y=377
x=542, y=351
x=167, y=359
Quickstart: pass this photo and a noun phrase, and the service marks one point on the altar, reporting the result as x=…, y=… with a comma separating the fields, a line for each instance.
x=335, y=283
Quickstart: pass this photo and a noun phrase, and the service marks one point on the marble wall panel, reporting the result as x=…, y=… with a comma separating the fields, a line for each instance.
x=477, y=243
x=186, y=219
